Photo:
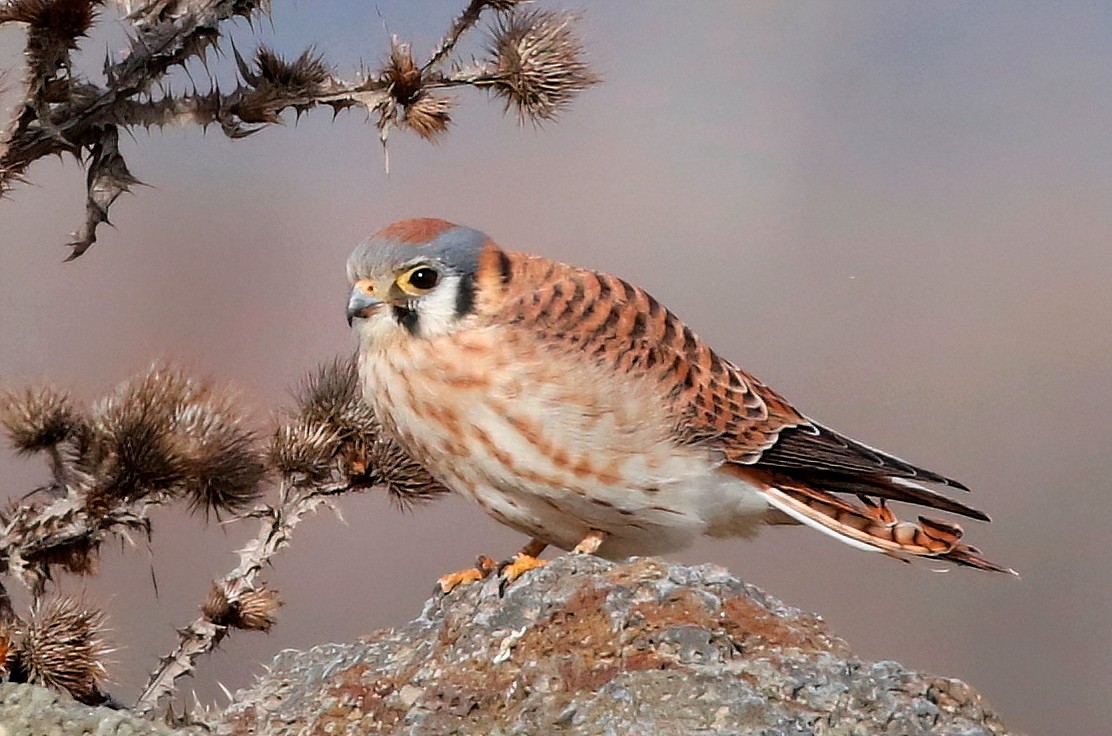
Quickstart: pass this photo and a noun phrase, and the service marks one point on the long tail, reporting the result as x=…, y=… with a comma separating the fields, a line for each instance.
x=870, y=525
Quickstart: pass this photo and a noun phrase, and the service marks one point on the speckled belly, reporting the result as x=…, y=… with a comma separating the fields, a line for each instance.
x=550, y=451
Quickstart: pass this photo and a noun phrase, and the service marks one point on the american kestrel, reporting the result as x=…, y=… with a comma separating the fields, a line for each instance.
x=573, y=407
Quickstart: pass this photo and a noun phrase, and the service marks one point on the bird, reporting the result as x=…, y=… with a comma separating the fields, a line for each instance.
x=573, y=407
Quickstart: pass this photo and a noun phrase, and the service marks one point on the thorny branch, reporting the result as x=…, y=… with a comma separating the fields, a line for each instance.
x=163, y=437
x=157, y=439
x=239, y=600
x=532, y=59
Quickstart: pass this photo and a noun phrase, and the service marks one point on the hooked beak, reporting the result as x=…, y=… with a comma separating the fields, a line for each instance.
x=362, y=301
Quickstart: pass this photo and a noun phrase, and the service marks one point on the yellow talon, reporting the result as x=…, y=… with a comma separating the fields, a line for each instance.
x=483, y=567
x=518, y=566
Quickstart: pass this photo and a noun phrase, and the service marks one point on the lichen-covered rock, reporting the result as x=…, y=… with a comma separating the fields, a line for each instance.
x=27, y=710
x=584, y=646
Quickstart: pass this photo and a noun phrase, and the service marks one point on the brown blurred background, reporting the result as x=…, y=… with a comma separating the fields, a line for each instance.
x=898, y=214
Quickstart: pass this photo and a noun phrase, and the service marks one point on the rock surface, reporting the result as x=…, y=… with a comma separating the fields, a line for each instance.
x=26, y=710
x=584, y=646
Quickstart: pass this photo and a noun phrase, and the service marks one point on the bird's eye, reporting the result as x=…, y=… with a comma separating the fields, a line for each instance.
x=422, y=278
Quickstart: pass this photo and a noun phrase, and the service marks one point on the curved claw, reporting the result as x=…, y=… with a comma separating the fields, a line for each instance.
x=511, y=570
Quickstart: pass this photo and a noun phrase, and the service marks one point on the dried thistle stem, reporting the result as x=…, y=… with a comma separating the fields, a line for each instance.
x=200, y=637
x=464, y=22
x=536, y=69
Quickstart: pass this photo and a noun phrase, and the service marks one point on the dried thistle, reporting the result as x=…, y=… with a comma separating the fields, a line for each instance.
x=224, y=464
x=331, y=416
x=62, y=18
x=428, y=115
x=38, y=419
x=401, y=74
x=332, y=396
x=332, y=445
x=332, y=400
x=77, y=557
x=252, y=610
x=539, y=62
x=165, y=433
x=257, y=609
x=276, y=84
x=64, y=110
x=131, y=451
x=304, y=448
x=63, y=648
x=216, y=607
x=406, y=480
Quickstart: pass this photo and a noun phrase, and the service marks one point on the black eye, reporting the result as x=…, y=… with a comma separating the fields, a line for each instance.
x=423, y=278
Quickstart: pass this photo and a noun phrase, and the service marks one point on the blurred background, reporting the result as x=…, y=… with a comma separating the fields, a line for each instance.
x=897, y=214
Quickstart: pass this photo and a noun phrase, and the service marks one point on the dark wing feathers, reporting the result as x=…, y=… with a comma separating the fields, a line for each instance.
x=812, y=446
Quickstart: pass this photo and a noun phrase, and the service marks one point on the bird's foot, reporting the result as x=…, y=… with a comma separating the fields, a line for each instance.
x=482, y=568
x=511, y=570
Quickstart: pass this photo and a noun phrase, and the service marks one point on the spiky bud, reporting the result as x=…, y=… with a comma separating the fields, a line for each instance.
x=216, y=607
x=428, y=115
x=401, y=73
x=62, y=18
x=274, y=82
x=407, y=481
x=253, y=610
x=63, y=648
x=78, y=557
x=164, y=432
x=304, y=448
x=224, y=464
x=131, y=452
x=539, y=62
x=38, y=419
x=333, y=397
x=257, y=610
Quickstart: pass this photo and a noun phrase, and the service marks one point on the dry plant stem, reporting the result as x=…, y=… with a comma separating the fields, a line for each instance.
x=202, y=636
x=66, y=112
x=34, y=532
x=466, y=20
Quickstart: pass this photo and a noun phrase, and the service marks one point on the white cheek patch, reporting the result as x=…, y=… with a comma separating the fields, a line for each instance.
x=436, y=311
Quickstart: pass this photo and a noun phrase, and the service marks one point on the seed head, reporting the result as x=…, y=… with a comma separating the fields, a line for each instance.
x=333, y=397
x=164, y=432
x=539, y=63
x=61, y=18
x=253, y=610
x=428, y=115
x=38, y=419
x=63, y=649
x=257, y=610
x=304, y=448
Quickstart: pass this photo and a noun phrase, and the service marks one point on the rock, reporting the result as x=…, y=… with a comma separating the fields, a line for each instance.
x=26, y=710
x=585, y=646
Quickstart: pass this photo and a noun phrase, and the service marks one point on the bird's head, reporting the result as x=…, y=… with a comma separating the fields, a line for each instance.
x=419, y=275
